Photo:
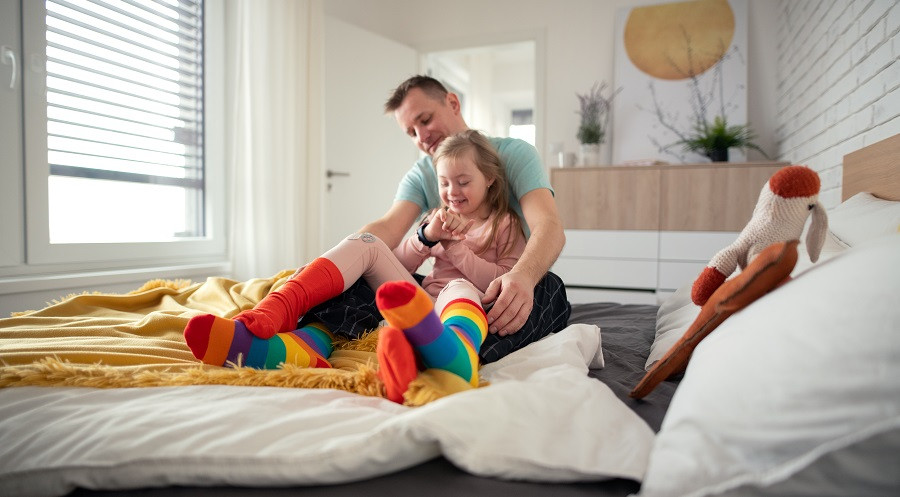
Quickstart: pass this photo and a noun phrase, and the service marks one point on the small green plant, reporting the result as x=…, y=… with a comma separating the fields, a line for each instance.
x=714, y=140
x=594, y=110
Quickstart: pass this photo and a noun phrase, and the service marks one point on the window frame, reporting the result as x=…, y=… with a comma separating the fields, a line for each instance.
x=38, y=249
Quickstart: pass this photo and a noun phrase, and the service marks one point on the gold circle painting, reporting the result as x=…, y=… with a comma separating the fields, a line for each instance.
x=679, y=40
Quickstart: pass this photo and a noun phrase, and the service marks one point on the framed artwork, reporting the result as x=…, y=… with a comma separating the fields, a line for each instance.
x=677, y=63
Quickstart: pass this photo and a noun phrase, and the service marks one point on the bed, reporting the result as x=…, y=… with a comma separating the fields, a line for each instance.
x=799, y=393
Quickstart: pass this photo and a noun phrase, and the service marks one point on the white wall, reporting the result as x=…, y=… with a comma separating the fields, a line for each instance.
x=579, y=47
x=839, y=82
x=361, y=141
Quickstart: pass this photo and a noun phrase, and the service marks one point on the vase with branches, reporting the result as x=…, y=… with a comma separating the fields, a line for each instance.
x=709, y=137
x=594, y=110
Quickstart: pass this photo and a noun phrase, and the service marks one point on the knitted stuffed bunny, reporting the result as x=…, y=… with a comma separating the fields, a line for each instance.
x=780, y=214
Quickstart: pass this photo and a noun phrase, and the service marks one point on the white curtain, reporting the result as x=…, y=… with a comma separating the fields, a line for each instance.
x=273, y=131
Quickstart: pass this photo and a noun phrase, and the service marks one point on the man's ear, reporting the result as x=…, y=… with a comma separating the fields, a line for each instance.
x=453, y=102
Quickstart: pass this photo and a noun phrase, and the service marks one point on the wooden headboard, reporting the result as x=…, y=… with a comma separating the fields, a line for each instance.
x=874, y=169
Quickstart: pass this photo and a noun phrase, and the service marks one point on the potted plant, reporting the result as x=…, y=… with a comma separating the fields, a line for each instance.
x=594, y=110
x=714, y=140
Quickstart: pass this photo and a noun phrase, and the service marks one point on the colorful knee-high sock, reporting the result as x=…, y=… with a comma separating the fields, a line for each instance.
x=279, y=311
x=219, y=341
x=452, y=345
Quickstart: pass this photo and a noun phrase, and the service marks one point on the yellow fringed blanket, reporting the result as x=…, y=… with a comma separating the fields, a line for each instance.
x=136, y=340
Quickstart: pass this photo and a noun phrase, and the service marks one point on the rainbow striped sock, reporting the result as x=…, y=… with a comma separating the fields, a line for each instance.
x=451, y=345
x=218, y=341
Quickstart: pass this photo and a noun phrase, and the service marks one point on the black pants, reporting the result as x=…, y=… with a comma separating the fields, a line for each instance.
x=354, y=312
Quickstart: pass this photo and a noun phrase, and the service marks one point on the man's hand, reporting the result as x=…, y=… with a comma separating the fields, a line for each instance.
x=513, y=297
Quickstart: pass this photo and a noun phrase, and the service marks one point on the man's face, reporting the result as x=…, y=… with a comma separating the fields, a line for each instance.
x=428, y=121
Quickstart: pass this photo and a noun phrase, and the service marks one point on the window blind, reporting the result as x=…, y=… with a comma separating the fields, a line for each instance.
x=125, y=96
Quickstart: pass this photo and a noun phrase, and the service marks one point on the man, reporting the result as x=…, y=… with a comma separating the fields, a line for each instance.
x=528, y=302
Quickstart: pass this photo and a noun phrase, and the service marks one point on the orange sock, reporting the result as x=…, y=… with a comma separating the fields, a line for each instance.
x=279, y=311
x=396, y=362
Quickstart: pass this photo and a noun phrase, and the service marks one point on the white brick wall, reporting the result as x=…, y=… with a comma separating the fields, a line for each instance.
x=839, y=82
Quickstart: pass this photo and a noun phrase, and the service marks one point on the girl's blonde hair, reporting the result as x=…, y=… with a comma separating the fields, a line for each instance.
x=488, y=162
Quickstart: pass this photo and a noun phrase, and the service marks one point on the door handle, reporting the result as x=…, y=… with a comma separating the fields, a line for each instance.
x=329, y=173
x=9, y=54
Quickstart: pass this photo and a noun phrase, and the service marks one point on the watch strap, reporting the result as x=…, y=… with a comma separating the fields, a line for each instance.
x=421, y=234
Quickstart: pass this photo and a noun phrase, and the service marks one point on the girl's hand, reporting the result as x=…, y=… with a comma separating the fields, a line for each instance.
x=447, y=226
x=433, y=230
x=455, y=225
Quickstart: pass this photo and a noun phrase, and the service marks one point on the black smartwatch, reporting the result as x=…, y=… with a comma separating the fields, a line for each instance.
x=421, y=234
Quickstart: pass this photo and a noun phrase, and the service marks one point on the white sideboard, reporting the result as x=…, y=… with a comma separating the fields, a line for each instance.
x=636, y=234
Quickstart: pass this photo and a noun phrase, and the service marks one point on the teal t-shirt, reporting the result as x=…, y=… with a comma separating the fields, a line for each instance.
x=523, y=171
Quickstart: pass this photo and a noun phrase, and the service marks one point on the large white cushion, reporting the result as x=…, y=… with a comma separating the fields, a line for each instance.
x=673, y=318
x=858, y=219
x=799, y=392
x=864, y=217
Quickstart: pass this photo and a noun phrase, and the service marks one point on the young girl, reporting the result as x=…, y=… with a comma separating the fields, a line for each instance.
x=474, y=238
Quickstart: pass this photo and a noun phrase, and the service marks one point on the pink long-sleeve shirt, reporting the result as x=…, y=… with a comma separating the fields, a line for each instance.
x=461, y=259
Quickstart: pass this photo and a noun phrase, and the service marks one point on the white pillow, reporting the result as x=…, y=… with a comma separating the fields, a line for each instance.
x=864, y=217
x=673, y=318
x=830, y=248
x=804, y=382
x=860, y=218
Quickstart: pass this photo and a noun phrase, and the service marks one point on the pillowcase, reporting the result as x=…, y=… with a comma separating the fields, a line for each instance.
x=860, y=218
x=767, y=270
x=864, y=217
x=804, y=382
x=677, y=313
x=672, y=320
x=830, y=248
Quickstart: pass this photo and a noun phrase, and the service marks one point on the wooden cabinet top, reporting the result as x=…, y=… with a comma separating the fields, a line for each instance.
x=676, y=197
x=701, y=165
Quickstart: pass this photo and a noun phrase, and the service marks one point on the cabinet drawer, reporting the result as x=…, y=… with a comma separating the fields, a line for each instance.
x=606, y=272
x=711, y=197
x=693, y=245
x=674, y=275
x=611, y=244
x=618, y=198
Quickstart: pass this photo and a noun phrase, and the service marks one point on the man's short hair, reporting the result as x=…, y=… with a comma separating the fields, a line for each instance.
x=432, y=87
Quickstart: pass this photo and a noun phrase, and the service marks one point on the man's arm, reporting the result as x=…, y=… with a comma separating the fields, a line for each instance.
x=513, y=292
x=392, y=227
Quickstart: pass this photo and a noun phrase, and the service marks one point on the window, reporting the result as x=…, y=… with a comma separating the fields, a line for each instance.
x=122, y=147
x=124, y=121
x=522, y=125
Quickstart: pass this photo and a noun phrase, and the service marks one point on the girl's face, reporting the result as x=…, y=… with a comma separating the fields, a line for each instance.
x=463, y=186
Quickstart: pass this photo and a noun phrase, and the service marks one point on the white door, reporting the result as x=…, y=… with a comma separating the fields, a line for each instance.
x=11, y=184
x=366, y=153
